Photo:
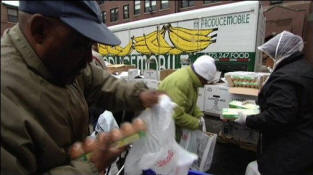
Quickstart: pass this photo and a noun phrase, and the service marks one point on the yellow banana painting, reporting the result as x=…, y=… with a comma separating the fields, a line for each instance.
x=189, y=45
x=140, y=44
x=157, y=44
x=103, y=49
x=182, y=40
x=127, y=49
x=115, y=50
x=191, y=40
x=203, y=32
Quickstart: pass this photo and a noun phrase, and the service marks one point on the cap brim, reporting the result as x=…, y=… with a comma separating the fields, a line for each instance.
x=97, y=32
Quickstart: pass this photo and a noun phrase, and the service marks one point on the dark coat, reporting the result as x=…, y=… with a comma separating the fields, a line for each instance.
x=286, y=119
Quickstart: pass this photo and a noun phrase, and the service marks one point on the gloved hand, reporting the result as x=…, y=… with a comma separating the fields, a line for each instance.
x=241, y=118
x=222, y=118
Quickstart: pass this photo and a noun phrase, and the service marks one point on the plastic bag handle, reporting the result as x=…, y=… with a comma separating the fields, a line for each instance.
x=203, y=124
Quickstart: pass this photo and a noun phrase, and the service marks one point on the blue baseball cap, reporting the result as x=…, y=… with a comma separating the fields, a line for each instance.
x=82, y=16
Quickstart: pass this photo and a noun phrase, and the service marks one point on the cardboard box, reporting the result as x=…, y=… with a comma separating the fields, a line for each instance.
x=152, y=84
x=151, y=74
x=118, y=68
x=165, y=73
x=200, y=100
x=136, y=80
x=216, y=98
x=244, y=91
x=243, y=94
x=132, y=73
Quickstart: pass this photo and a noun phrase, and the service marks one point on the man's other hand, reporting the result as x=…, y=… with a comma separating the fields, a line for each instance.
x=150, y=97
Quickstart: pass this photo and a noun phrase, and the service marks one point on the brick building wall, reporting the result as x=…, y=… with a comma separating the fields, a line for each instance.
x=173, y=7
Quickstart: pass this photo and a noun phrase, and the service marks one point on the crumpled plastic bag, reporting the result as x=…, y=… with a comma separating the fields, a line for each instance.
x=106, y=122
x=201, y=143
x=159, y=150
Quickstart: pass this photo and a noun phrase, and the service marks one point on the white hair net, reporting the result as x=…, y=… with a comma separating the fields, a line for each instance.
x=282, y=45
x=205, y=67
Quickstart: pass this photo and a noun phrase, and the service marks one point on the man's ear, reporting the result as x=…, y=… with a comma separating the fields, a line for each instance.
x=39, y=27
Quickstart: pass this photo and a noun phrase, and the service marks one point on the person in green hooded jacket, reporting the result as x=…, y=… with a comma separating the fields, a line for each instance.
x=182, y=86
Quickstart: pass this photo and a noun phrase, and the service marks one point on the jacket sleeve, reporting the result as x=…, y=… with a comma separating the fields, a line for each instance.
x=197, y=112
x=23, y=140
x=282, y=107
x=182, y=118
x=104, y=90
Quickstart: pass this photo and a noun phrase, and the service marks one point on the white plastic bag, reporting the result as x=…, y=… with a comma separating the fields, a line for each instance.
x=106, y=122
x=158, y=150
x=201, y=143
x=252, y=168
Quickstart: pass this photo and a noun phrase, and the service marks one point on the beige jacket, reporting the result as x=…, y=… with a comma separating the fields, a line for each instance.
x=40, y=120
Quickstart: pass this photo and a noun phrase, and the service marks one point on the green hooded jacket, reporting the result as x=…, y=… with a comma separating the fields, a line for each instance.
x=40, y=120
x=182, y=86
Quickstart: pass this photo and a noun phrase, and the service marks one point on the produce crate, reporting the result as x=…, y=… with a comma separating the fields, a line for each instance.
x=118, y=68
x=165, y=73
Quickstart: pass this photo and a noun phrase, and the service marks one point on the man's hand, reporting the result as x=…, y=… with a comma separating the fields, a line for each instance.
x=150, y=97
x=100, y=150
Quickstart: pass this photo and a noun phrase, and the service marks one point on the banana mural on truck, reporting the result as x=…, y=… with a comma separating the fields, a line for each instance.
x=182, y=41
x=115, y=50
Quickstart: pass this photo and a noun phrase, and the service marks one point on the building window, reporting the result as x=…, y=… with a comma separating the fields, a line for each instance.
x=164, y=4
x=126, y=11
x=276, y=2
x=114, y=14
x=150, y=5
x=12, y=15
x=104, y=16
x=208, y=1
x=187, y=3
x=137, y=7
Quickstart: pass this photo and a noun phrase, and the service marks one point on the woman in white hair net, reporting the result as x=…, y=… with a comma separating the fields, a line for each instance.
x=286, y=103
x=182, y=86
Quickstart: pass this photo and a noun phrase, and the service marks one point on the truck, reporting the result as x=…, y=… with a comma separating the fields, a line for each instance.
x=228, y=33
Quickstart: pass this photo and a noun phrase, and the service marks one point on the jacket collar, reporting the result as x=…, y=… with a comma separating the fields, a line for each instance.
x=28, y=54
x=296, y=56
x=195, y=79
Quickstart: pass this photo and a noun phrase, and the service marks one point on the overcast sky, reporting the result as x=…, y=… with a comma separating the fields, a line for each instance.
x=14, y=3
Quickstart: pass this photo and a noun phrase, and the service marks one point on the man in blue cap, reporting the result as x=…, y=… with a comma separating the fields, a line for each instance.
x=47, y=84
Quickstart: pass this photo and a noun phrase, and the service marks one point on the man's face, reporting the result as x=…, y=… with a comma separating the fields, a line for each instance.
x=268, y=61
x=66, y=52
x=203, y=81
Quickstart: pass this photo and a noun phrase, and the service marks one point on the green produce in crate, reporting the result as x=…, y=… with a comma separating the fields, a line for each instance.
x=242, y=105
x=233, y=113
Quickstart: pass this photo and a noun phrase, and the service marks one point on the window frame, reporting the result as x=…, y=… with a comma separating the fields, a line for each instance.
x=153, y=8
x=137, y=11
x=209, y=1
x=114, y=18
x=104, y=17
x=12, y=18
x=276, y=2
x=124, y=14
x=161, y=4
x=189, y=4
